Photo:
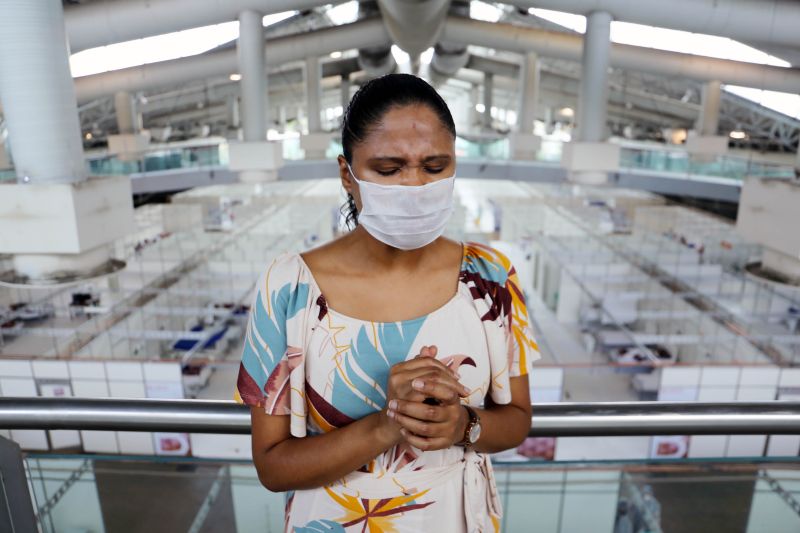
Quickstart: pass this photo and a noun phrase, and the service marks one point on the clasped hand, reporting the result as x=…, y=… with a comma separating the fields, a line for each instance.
x=424, y=402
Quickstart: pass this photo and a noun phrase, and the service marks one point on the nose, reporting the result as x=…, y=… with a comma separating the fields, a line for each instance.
x=416, y=175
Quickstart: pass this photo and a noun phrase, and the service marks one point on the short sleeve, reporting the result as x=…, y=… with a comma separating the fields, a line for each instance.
x=500, y=302
x=522, y=347
x=272, y=369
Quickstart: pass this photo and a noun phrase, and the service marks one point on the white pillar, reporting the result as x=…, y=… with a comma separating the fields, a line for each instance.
x=316, y=142
x=344, y=89
x=704, y=143
x=529, y=88
x=593, y=96
x=708, y=121
x=127, y=121
x=313, y=94
x=38, y=94
x=250, y=51
x=474, y=119
x=523, y=144
x=488, y=90
x=797, y=161
x=232, y=116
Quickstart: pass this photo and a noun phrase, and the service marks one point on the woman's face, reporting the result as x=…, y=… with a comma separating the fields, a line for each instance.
x=410, y=146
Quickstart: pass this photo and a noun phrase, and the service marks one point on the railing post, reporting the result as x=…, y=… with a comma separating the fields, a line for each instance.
x=16, y=508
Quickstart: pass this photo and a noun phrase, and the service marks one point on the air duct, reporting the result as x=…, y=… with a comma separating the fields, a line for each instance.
x=414, y=26
x=671, y=64
x=280, y=50
x=767, y=21
x=107, y=22
x=448, y=58
x=376, y=61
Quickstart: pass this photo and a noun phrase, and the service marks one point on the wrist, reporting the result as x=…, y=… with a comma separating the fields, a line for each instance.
x=461, y=427
x=385, y=430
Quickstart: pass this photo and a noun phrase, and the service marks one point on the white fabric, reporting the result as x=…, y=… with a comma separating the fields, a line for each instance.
x=405, y=216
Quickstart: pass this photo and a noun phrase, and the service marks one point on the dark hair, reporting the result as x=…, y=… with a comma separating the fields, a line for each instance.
x=370, y=104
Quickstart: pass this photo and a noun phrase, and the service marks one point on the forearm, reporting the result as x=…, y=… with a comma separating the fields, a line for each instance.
x=502, y=427
x=315, y=461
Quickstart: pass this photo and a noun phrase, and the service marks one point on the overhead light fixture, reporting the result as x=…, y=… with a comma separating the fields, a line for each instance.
x=567, y=112
x=235, y=77
x=336, y=55
x=480, y=108
x=738, y=134
x=88, y=136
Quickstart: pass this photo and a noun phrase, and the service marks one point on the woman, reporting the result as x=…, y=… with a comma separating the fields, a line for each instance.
x=381, y=367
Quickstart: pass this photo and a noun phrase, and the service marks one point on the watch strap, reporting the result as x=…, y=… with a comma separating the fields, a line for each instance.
x=473, y=420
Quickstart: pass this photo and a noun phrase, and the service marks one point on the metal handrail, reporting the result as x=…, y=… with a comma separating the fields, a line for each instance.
x=549, y=419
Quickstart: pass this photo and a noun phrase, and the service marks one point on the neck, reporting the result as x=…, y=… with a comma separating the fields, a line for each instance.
x=366, y=249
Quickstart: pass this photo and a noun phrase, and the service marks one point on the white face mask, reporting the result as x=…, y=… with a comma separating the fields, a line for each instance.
x=405, y=216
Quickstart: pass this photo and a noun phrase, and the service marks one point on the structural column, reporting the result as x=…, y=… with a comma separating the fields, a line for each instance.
x=704, y=142
x=54, y=222
x=254, y=158
x=250, y=51
x=797, y=162
x=529, y=88
x=232, y=112
x=127, y=118
x=488, y=90
x=474, y=118
x=313, y=94
x=316, y=142
x=129, y=143
x=345, y=91
x=38, y=94
x=589, y=158
x=708, y=122
x=593, y=96
x=523, y=143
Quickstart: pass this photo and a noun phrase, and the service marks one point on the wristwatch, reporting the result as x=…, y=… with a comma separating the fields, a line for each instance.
x=473, y=431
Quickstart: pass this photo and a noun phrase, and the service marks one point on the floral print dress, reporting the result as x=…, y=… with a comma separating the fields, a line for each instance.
x=324, y=369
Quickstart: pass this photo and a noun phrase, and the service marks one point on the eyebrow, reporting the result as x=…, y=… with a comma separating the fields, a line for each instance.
x=401, y=160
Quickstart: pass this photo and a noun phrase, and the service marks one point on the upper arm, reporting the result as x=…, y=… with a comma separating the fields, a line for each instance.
x=267, y=430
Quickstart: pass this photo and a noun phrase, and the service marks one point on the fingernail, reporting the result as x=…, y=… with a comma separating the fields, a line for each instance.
x=393, y=405
x=418, y=384
x=390, y=413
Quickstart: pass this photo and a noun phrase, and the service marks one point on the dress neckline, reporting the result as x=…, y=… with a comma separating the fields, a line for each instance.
x=438, y=310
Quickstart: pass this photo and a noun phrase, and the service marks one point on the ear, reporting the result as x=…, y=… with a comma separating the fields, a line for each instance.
x=344, y=175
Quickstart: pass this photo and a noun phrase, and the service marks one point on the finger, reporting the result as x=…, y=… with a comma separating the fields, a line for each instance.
x=419, y=411
x=445, y=390
x=420, y=428
x=420, y=362
x=426, y=381
x=423, y=443
x=409, y=374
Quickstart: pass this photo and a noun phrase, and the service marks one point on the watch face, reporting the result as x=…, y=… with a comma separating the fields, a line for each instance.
x=474, y=433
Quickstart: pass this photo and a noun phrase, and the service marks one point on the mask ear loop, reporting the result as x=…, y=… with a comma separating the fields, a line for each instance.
x=351, y=172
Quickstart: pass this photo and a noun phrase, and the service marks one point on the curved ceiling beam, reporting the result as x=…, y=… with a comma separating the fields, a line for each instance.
x=107, y=22
x=368, y=32
x=568, y=46
x=768, y=21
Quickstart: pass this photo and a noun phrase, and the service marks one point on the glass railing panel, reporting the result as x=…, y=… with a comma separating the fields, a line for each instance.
x=679, y=161
x=160, y=494
x=8, y=175
x=490, y=148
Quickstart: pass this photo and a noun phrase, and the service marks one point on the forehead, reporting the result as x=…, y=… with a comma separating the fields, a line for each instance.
x=412, y=129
